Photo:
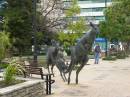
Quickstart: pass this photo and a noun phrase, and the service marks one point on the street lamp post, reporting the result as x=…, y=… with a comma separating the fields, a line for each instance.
x=34, y=32
x=106, y=37
x=105, y=3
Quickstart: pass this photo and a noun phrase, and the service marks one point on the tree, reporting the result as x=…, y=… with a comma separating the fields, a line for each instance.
x=18, y=21
x=4, y=44
x=76, y=26
x=50, y=18
x=117, y=23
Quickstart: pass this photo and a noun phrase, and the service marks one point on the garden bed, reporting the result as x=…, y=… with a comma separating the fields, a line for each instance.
x=28, y=88
x=3, y=84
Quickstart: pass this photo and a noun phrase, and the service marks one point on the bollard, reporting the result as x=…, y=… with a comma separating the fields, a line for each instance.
x=48, y=81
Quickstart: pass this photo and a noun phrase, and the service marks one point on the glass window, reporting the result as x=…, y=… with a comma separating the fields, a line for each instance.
x=100, y=18
x=98, y=9
x=96, y=0
x=93, y=1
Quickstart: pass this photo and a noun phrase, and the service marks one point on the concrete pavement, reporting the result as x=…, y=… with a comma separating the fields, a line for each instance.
x=106, y=79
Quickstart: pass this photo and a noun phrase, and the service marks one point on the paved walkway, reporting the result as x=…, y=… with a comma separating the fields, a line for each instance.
x=107, y=79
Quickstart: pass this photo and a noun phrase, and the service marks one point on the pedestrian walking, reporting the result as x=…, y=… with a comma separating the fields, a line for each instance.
x=97, y=52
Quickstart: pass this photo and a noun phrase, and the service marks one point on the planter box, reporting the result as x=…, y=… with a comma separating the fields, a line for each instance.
x=29, y=88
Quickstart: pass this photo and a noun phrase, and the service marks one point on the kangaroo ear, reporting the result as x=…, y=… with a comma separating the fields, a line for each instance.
x=91, y=24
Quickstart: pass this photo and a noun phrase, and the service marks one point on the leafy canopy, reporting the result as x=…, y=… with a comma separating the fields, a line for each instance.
x=4, y=44
x=117, y=23
x=76, y=26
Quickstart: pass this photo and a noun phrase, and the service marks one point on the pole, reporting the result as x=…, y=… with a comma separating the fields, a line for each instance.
x=106, y=53
x=34, y=32
x=105, y=3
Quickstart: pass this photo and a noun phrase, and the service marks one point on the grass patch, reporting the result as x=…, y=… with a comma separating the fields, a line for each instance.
x=42, y=61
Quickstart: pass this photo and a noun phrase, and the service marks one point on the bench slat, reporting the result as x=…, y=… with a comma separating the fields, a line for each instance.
x=34, y=70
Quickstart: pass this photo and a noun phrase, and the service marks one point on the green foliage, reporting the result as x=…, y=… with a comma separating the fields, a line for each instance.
x=18, y=21
x=39, y=37
x=75, y=28
x=73, y=10
x=117, y=24
x=9, y=75
x=68, y=39
x=118, y=55
x=110, y=58
x=3, y=66
x=121, y=55
x=11, y=71
x=4, y=44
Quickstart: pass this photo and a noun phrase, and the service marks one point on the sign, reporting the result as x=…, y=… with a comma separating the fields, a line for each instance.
x=100, y=40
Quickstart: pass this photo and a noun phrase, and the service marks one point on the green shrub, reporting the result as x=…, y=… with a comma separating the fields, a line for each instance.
x=11, y=71
x=4, y=44
x=67, y=50
x=110, y=58
x=3, y=66
x=9, y=75
x=121, y=55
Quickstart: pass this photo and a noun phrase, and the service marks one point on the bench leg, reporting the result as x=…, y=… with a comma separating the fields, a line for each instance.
x=42, y=76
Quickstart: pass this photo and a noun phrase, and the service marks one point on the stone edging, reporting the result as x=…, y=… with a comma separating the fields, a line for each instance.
x=35, y=88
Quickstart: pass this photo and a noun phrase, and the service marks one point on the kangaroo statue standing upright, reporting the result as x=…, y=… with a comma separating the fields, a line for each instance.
x=79, y=52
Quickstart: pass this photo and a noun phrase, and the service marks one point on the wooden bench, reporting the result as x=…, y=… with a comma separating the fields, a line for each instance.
x=38, y=71
x=33, y=70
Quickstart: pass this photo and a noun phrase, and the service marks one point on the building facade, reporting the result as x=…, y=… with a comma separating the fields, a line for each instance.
x=2, y=6
x=92, y=10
